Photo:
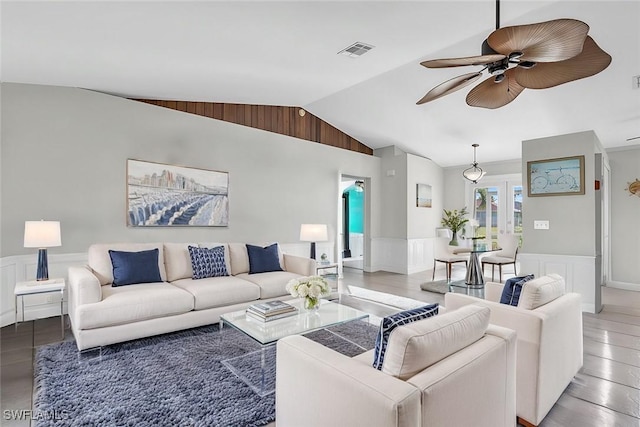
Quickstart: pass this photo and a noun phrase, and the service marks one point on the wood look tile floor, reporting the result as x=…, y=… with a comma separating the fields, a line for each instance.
x=606, y=392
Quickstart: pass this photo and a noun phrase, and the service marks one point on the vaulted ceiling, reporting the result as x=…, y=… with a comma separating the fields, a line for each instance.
x=286, y=53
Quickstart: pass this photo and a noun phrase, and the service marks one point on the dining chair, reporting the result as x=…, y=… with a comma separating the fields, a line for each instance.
x=507, y=255
x=444, y=253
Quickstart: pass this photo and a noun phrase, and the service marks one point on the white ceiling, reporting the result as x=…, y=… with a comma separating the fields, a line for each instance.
x=285, y=53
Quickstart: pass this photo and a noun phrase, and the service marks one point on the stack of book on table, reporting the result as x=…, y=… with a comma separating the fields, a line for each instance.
x=272, y=310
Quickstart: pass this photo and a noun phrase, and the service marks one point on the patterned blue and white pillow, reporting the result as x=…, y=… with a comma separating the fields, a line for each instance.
x=389, y=323
x=207, y=262
x=512, y=290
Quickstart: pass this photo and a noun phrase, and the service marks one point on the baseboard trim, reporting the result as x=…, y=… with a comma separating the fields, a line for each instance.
x=624, y=286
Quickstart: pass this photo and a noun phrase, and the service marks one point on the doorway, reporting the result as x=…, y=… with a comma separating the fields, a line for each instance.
x=351, y=222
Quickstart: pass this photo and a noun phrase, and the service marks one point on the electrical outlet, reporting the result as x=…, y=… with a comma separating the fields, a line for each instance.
x=540, y=225
x=49, y=299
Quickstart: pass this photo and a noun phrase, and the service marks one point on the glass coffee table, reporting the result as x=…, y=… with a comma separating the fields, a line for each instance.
x=252, y=367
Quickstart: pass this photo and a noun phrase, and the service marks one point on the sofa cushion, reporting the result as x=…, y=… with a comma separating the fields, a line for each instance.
x=219, y=291
x=418, y=345
x=540, y=291
x=389, y=323
x=100, y=261
x=129, y=304
x=263, y=259
x=512, y=289
x=239, y=258
x=272, y=284
x=177, y=261
x=227, y=255
x=130, y=268
x=207, y=262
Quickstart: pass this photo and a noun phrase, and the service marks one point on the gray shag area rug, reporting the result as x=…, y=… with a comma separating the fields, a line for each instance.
x=175, y=379
x=439, y=286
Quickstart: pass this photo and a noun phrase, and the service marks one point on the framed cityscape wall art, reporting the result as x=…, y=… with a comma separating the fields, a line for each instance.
x=423, y=195
x=161, y=195
x=556, y=177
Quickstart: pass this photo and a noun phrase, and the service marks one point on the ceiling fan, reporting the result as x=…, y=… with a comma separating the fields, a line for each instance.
x=534, y=56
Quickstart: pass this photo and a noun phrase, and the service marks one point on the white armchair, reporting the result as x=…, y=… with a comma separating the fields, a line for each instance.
x=433, y=374
x=549, y=340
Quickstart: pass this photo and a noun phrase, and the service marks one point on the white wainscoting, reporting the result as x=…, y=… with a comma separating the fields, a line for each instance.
x=579, y=273
x=404, y=256
x=20, y=268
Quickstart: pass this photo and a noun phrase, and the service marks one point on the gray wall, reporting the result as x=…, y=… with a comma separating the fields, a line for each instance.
x=394, y=205
x=625, y=216
x=422, y=222
x=64, y=155
x=400, y=218
x=455, y=184
x=571, y=218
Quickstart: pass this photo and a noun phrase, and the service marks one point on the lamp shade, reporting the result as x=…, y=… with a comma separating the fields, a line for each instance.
x=42, y=234
x=314, y=233
x=474, y=173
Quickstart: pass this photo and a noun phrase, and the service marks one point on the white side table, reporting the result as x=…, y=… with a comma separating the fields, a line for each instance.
x=41, y=287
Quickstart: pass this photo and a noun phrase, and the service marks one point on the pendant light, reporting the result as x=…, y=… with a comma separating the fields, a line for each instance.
x=475, y=172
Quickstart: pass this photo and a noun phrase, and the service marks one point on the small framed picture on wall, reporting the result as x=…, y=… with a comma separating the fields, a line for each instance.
x=423, y=195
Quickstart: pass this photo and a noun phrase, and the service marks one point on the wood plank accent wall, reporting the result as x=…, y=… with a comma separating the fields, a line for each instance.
x=278, y=119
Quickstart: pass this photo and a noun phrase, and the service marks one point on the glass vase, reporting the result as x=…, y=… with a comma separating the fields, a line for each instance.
x=454, y=239
x=311, y=303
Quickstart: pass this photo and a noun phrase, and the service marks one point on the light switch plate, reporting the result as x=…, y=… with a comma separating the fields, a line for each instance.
x=540, y=225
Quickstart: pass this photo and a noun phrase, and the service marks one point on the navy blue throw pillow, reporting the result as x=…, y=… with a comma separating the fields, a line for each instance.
x=207, y=262
x=130, y=268
x=389, y=323
x=512, y=289
x=262, y=260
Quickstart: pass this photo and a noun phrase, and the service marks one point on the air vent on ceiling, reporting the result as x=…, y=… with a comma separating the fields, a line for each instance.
x=356, y=50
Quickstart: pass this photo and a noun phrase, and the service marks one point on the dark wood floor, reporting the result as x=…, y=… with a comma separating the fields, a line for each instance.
x=606, y=392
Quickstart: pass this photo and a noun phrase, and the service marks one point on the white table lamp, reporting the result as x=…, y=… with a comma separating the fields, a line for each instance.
x=42, y=235
x=313, y=233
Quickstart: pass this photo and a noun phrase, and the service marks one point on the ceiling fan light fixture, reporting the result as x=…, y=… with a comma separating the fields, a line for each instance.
x=526, y=64
x=475, y=172
x=515, y=55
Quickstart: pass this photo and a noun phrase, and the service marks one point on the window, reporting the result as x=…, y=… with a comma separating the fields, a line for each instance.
x=496, y=203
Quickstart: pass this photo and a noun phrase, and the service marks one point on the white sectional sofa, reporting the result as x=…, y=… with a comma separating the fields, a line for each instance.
x=102, y=314
x=453, y=369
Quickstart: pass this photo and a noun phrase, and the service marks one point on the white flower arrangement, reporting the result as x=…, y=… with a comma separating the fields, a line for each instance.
x=310, y=288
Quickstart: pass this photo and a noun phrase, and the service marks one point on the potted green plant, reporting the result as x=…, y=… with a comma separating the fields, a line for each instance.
x=455, y=220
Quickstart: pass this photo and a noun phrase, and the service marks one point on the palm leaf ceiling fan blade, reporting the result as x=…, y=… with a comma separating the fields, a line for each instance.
x=550, y=41
x=461, y=62
x=543, y=75
x=449, y=86
x=490, y=94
